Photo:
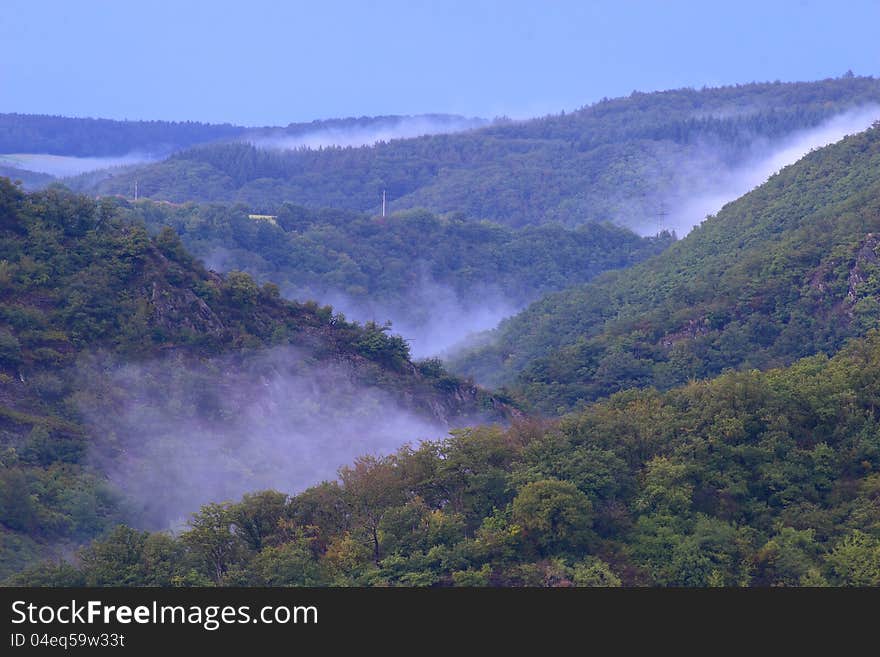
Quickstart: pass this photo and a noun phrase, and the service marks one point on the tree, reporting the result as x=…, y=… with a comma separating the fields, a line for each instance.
x=212, y=539
x=241, y=288
x=116, y=560
x=289, y=564
x=592, y=571
x=554, y=515
x=371, y=486
x=164, y=560
x=665, y=488
x=855, y=560
x=256, y=517
x=787, y=558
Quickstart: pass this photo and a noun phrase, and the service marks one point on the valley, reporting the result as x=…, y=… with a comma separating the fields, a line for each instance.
x=633, y=344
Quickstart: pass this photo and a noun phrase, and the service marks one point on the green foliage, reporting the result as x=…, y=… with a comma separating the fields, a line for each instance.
x=31, y=133
x=787, y=271
x=377, y=344
x=212, y=541
x=241, y=289
x=257, y=516
x=290, y=564
x=412, y=265
x=594, y=572
x=83, y=286
x=790, y=558
x=855, y=560
x=554, y=515
x=117, y=559
x=617, y=159
x=761, y=479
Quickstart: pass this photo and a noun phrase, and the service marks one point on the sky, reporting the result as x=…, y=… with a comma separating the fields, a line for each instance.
x=272, y=63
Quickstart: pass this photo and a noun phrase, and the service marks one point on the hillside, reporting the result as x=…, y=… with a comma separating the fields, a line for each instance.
x=87, y=137
x=639, y=161
x=121, y=355
x=29, y=180
x=413, y=268
x=751, y=479
x=786, y=271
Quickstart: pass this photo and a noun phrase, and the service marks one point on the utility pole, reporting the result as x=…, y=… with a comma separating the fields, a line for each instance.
x=383, y=202
x=135, y=190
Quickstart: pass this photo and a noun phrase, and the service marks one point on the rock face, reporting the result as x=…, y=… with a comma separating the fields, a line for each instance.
x=173, y=308
x=692, y=329
x=866, y=261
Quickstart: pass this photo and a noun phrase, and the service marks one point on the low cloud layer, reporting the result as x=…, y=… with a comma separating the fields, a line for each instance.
x=720, y=185
x=435, y=322
x=62, y=166
x=365, y=135
x=176, y=434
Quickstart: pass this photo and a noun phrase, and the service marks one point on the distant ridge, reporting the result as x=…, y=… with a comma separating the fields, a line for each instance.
x=633, y=160
x=789, y=270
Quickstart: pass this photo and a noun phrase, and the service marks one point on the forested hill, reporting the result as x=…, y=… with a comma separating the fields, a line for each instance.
x=790, y=269
x=633, y=160
x=120, y=354
x=91, y=137
x=761, y=479
x=29, y=179
x=61, y=135
x=416, y=269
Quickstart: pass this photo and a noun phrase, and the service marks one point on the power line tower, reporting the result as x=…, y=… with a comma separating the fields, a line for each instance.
x=663, y=212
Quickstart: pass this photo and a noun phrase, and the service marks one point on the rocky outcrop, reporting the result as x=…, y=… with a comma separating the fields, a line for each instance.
x=866, y=260
x=691, y=330
x=176, y=307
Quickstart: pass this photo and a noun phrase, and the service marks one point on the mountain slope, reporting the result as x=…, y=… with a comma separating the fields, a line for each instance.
x=788, y=270
x=29, y=179
x=116, y=348
x=415, y=269
x=60, y=135
x=761, y=479
x=632, y=160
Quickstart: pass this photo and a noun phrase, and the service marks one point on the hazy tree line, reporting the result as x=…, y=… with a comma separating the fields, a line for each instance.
x=59, y=135
x=786, y=271
x=396, y=264
x=80, y=287
x=624, y=159
x=762, y=479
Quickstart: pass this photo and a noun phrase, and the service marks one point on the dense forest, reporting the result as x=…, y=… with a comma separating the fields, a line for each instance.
x=632, y=160
x=763, y=479
x=787, y=271
x=103, y=329
x=101, y=138
x=413, y=268
x=29, y=180
x=694, y=412
x=60, y=135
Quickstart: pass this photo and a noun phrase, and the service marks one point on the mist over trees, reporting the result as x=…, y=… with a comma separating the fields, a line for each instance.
x=761, y=479
x=630, y=160
x=415, y=269
x=784, y=272
x=100, y=323
x=59, y=135
x=694, y=412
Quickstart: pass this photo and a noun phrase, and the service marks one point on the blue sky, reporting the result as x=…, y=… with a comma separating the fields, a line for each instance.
x=261, y=63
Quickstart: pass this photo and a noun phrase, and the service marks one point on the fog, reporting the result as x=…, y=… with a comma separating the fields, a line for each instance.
x=63, y=166
x=719, y=184
x=176, y=434
x=375, y=131
x=435, y=320
x=433, y=317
